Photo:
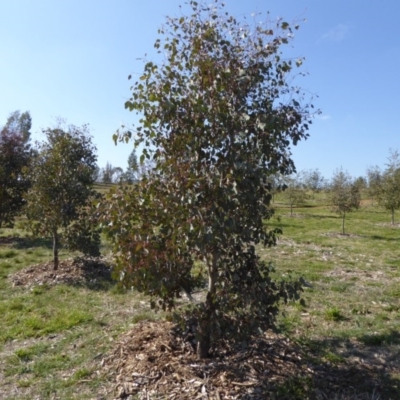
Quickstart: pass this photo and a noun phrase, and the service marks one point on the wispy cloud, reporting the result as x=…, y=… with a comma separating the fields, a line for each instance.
x=336, y=35
x=324, y=117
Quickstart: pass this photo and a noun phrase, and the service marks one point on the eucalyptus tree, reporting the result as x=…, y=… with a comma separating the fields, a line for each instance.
x=345, y=195
x=15, y=156
x=388, y=187
x=216, y=118
x=20, y=123
x=62, y=174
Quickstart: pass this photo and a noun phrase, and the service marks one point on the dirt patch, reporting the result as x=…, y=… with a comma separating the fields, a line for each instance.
x=389, y=225
x=151, y=362
x=73, y=271
x=341, y=235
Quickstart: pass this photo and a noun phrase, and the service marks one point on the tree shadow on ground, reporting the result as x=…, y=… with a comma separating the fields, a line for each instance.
x=358, y=368
x=320, y=216
x=318, y=370
x=377, y=237
x=21, y=243
x=266, y=367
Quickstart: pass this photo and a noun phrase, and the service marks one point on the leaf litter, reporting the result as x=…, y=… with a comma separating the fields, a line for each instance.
x=152, y=362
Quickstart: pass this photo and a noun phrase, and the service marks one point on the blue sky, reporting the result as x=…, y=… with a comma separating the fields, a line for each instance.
x=71, y=59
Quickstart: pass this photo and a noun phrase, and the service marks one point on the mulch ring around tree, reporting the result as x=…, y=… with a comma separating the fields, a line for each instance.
x=73, y=271
x=151, y=362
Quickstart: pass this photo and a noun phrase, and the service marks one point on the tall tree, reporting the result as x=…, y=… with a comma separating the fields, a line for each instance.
x=20, y=124
x=14, y=159
x=110, y=173
x=132, y=171
x=345, y=195
x=62, y=175
x=217, y=118
x=388, y=192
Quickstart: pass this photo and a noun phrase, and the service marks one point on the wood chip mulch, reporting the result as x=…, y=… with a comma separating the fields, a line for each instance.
x=151, y=362
x=73, y=271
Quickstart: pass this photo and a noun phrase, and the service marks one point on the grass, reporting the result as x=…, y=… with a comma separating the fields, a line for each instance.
x=355, y=278
x=52, y=338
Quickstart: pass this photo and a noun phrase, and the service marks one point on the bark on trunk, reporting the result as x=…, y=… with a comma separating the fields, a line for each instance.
x=55, y=250
x=343, y=223
x=204, y=328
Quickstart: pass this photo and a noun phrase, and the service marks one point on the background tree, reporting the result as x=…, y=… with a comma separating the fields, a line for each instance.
x=111, y=174
x=361, y=183
x=97, y=175
x=388, y=187
x=61, y=177
x=345, y=196
x=276, y=184
x=374, y=178
x=313, y=180
x=83, y=233
x=131, y=175
x=15, y=155
x=20, y=124
x=217, y=118
x=294, y=192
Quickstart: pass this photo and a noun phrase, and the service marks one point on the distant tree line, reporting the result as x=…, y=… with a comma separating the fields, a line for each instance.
x=51, y=183
x=110, y=174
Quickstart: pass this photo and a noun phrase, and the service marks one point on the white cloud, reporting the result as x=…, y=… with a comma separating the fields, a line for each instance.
x=324, y=117
x=336, y=35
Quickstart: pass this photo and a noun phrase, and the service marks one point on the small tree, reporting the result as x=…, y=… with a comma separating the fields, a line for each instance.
x=374, y=179
x=15, y=155
x=217, y=118
x=294, y=191
x=388, y=188
x=62, y=175
x=314, y=181
x=361, y=183
x=345, y=196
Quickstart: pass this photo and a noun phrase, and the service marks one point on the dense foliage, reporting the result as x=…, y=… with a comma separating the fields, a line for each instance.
x=15, y=154
x=217, y=118
x=62, y=175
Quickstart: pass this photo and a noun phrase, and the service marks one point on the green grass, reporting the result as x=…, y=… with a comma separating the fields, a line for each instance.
x=355, y=278
x=52, y=338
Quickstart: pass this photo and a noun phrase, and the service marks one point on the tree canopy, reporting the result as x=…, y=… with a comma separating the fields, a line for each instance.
x=62, y=175
x=345, y=195
x=388, y=186
x=216, y=118
x=20, y=123
x=15, y=155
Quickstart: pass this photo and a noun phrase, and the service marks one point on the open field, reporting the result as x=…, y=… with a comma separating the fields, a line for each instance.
x=53, y=338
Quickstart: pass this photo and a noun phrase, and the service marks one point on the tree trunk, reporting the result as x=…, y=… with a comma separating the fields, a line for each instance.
x=55, y=249
x=344, y=214
x=205, y=324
